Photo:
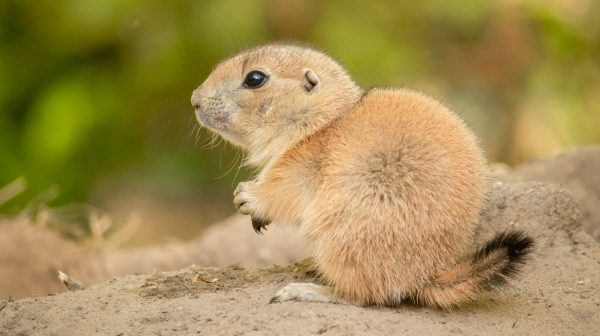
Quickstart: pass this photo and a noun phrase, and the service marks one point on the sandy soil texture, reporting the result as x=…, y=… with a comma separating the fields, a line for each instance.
x=557, y=294
x=577, y=170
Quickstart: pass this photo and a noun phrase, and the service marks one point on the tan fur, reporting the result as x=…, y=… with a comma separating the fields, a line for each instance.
x=386, y=184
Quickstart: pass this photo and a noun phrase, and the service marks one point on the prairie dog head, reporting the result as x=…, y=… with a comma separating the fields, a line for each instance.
x=266, y=99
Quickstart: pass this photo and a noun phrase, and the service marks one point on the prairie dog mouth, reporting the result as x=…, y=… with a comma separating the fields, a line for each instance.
x=217, y=122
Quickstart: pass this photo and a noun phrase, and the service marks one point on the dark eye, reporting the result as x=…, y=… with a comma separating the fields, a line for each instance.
x=255, y=79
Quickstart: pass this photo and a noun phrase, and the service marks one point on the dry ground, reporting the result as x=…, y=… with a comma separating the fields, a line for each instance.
x=558, y=294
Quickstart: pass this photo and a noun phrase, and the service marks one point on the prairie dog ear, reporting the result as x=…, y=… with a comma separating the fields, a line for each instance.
x=311, y=80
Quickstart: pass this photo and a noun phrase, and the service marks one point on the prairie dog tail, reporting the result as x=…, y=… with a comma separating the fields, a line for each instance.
x=488, y=269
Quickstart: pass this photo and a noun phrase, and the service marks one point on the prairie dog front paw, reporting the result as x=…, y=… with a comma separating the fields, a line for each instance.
x=245, y=200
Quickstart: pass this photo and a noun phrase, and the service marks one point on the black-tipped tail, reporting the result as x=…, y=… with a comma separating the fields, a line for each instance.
x=515, y=245
x=488, y=269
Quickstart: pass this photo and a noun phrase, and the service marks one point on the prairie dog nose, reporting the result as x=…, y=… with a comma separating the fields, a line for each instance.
x=196, y=99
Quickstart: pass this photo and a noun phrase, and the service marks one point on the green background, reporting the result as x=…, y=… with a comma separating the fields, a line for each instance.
x=94, y=95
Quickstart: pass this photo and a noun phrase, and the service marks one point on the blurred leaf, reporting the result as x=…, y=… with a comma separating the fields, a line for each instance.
x=60, y=120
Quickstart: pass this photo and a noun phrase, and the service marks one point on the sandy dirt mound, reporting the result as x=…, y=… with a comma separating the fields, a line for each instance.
x=558, y=293
x=577, y=170
x=30, y=256
x=231, y=241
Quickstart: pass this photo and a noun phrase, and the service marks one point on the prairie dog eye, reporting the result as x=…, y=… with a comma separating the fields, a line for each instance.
x=255, y=79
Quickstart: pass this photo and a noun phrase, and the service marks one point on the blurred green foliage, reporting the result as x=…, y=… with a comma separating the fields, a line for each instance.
x=97, y=92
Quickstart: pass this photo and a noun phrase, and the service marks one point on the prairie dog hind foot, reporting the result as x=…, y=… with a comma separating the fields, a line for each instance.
x=306, y=292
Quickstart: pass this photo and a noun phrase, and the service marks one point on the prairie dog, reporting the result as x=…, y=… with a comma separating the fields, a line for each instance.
x=386, y=184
